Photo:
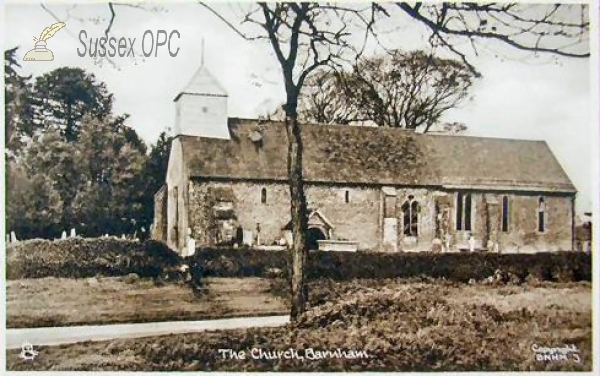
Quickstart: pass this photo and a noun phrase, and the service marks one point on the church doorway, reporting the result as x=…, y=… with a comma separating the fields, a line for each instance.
x=313, y=235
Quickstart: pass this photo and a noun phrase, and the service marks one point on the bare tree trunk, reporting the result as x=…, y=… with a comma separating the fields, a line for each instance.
x=299, y=217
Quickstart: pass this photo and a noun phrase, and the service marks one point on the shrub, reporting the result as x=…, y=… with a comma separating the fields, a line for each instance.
x=82, y=258
x=558, y=266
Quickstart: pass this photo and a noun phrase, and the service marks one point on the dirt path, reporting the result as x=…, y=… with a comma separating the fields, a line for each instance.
x=15, y=338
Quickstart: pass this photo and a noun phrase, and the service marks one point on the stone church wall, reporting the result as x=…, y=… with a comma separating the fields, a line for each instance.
x=356, y=220
x=522, y=234
x=159, y=226
x=361, y=218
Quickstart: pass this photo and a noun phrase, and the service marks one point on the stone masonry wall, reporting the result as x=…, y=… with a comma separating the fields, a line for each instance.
x=159, y=226
x=356, y=220
x=361, y=218
x=522, y=235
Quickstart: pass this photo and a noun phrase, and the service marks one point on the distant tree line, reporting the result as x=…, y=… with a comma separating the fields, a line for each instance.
x=71, y=162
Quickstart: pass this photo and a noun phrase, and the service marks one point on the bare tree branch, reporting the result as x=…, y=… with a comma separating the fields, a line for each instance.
x=439, y=25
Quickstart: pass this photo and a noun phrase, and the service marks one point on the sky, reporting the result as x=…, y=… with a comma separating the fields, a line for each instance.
x=518, y=96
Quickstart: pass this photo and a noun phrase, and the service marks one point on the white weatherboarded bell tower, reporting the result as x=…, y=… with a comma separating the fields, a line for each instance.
x=201, y=107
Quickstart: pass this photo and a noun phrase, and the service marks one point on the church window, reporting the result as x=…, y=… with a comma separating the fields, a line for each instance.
x=463, y=212
x=467, y=212
x=541, y=215
x=459, y=210
x=263, y=195
x=347, y=196
x=505, y=213
x=410, y=215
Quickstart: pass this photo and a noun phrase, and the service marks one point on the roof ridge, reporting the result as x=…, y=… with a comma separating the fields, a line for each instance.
x=385, y=129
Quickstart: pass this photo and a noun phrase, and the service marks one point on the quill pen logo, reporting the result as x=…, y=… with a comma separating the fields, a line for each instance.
x=40, y=52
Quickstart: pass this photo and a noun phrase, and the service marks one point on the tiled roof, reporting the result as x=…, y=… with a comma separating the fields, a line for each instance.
x=382, y=156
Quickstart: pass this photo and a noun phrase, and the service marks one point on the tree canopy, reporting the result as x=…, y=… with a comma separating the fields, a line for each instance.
x=62, y=98
x=397, y=89
x=79, y=164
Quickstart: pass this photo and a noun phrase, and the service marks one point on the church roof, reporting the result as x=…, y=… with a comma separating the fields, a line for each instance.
x=203, y=82
x=374, y=155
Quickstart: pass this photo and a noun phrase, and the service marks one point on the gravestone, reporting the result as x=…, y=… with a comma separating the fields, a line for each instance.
x=472, y=244
x=191, y=247
x=73, y=234
x=13, y=237
x=248, y=237
x=447, y=242
x=258, y=234
x=436, y=245
x=63, y=236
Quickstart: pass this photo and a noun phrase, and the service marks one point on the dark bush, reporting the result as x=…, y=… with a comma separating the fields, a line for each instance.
x=82, y=258
x=243, y=262
x=557, y=266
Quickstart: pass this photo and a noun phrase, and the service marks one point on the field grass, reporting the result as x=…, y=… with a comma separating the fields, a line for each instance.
x=64, y=302
x=401, y=325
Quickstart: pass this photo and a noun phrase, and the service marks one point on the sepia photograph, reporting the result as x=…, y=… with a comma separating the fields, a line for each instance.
x=300, y=187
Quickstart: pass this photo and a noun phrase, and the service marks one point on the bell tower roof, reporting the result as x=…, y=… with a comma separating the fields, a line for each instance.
x=203, y=83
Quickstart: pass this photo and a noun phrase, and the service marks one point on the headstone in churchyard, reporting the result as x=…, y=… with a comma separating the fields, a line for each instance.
x=123, y=236
x=63, y=236
x=248, y=237
x=13, y=237
x=191, y=247
x=472, y=244
x=73, y=234
x=258, y=234
x=436, y=245
x=447, y=240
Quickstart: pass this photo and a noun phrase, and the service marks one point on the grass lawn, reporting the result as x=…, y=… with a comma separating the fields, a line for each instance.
x=63, y=302
x=400, y=325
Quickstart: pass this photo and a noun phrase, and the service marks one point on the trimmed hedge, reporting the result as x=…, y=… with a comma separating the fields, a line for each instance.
x=82, y=258
x=555, y=266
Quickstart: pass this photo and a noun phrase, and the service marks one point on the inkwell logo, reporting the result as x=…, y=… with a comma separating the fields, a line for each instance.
x=40, y=52
x=27, y=351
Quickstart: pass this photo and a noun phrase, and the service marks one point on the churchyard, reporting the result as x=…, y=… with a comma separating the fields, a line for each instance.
x=400, y=312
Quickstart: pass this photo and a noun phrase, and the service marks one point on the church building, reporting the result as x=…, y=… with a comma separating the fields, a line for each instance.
x=367, y=188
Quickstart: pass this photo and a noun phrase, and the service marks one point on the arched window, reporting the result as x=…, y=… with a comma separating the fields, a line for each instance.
x=463, y=211
x=505, y=213
x=541, y=215
x=410, y=215
x=347, y=197
x=263, y=195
